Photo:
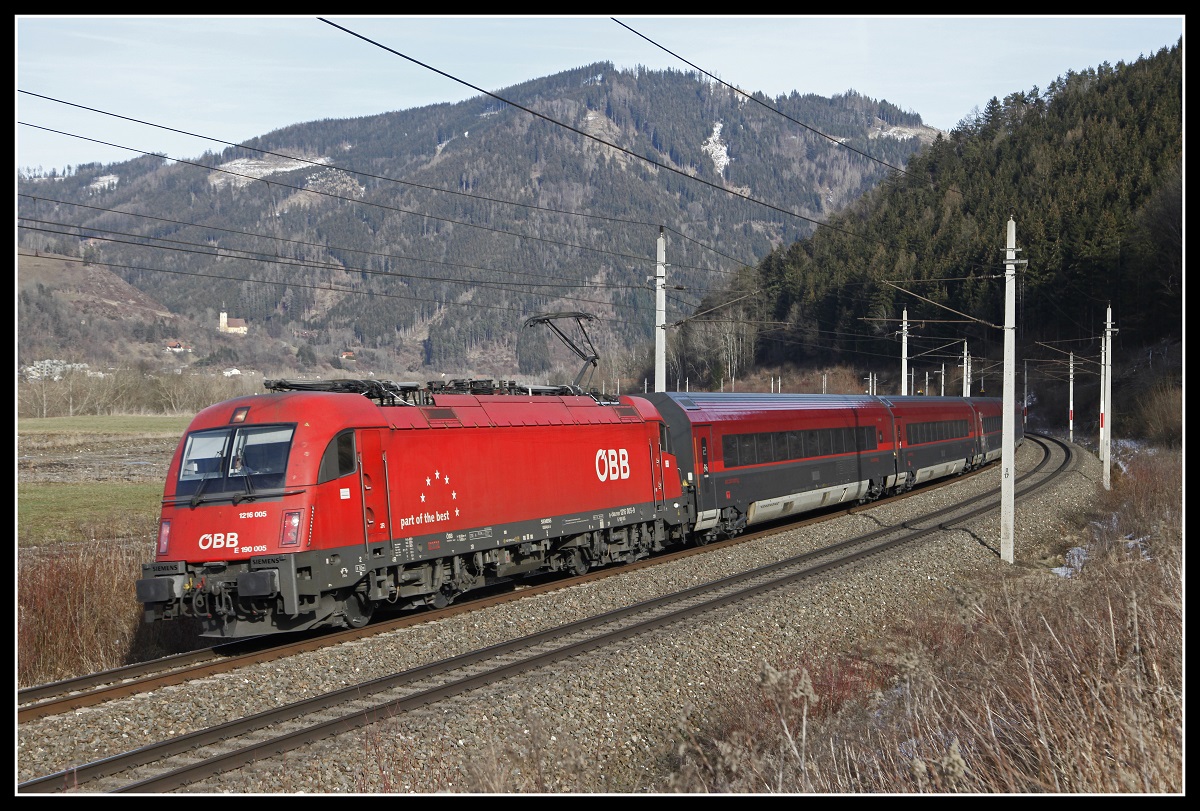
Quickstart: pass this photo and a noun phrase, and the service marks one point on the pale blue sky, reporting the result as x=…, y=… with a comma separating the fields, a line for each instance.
x=233, y=78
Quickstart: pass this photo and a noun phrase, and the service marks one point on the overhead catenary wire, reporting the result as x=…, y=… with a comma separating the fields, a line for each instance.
x=537, y=208
x=631, y=153
x=559, y=243
x=306, y=286
x=228, y=253
x=484, y=198
x=184, y=246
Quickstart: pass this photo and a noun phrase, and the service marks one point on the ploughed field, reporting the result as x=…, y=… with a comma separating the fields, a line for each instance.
x=52, y=458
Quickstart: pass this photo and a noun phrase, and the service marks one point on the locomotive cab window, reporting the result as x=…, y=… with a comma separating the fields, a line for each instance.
x=235, y=459
x=339, y=458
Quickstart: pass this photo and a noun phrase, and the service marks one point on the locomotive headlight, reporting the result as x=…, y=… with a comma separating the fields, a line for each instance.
x=290, y=533
x=164, y=537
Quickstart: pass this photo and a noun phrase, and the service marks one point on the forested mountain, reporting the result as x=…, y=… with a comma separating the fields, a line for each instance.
x=422, y=239
x=1090, y=171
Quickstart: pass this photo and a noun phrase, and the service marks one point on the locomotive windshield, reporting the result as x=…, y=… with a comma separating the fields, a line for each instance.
x=237, y=459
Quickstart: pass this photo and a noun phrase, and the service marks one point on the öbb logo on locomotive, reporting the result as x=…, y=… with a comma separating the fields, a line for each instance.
x=612, y=464
x=335, y=475
x=219, y=540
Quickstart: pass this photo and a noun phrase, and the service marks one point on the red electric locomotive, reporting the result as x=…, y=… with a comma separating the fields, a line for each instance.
x=308, y=507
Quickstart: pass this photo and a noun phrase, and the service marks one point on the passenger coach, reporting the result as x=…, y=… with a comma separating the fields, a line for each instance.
x=756, y=457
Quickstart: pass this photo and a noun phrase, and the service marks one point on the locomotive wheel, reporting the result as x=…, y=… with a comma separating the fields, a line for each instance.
x=579, y=563
x=358, y=611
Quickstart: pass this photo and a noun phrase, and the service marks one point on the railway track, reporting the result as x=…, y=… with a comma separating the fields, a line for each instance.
x=189, y=758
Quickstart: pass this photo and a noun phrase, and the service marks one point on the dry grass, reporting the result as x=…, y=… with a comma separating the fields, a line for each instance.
x=1029, y=686
x=77, y=612
x=1158, y=415
x=1032, y=699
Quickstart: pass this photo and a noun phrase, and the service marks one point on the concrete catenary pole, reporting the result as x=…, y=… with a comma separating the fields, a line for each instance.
x=904, y=354
x=1008, y=471
x=966, y=383
x=1071, y=399
x=1107, y=413
x=1103, y=371
x=660, y=314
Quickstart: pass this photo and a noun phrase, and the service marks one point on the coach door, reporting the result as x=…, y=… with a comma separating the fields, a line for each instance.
x=706, y=494
x=372, y=476
x=903, y=457
x=656, y=470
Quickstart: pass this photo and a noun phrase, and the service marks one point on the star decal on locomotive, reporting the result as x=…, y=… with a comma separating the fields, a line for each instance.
x=436, y=496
